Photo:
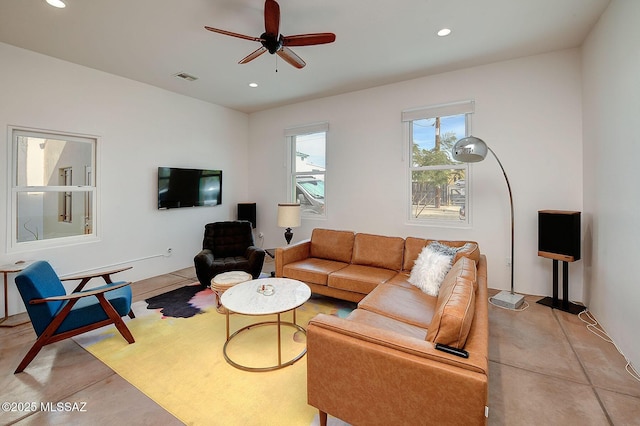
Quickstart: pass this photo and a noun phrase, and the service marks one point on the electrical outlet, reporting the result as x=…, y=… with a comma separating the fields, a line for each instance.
x=261, y=235
x=508, y=261
x=169, y=251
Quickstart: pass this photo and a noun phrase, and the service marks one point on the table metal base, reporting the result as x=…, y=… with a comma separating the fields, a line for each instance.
x=277, y=323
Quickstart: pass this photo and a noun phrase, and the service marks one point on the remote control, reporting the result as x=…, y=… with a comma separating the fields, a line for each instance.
x=453, y=351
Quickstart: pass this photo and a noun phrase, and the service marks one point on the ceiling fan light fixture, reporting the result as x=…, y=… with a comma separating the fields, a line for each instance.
x=444, y=32
x=57, y=3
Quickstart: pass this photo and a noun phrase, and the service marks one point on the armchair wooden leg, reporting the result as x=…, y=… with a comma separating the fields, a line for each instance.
x=131, y=314
x=39, y=344
x=122, y=328
x=323, y=418
x=115, y=317
x=45, y=337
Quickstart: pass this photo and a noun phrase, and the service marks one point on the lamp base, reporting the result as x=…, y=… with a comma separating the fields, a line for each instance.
x=288, y=235
x=508, y=300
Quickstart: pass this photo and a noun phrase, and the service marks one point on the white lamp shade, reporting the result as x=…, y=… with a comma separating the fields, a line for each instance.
x=288, y=215
x=469, y=150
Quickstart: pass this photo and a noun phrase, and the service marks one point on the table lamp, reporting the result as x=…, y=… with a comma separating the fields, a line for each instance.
x=288, y=217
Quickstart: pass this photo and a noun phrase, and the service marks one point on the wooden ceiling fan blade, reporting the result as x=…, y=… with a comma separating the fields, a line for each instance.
x=251, y=56
x=291, y=58
x=272, y=18
x=308, y=39
x=229, y=33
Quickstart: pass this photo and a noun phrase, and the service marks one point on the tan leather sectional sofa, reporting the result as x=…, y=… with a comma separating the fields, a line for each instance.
x=381, y=364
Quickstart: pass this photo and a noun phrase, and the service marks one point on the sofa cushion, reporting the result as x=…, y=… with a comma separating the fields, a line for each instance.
x=408, y=305
x=387, y=323
x=413, y=246
x=454, y=313
x=359, y=278
x=332, y=245
x=465, y=268
x=312, y=270
x=401, y=279
x=379, y=251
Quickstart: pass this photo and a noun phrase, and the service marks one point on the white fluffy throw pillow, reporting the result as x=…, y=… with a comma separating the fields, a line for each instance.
x=430, y=268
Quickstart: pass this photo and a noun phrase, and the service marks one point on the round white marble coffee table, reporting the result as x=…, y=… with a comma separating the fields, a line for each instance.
x=266, y=296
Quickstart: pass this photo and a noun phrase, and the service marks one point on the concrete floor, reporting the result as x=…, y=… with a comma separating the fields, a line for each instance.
x=546, y=368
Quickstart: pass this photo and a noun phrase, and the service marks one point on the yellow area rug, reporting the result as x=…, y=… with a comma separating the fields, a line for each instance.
x=178, y=362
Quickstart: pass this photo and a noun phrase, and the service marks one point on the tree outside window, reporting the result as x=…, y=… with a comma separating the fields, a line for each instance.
x=438, y=183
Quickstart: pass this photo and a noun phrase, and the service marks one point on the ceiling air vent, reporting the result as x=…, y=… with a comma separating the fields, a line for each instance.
x=185, y=76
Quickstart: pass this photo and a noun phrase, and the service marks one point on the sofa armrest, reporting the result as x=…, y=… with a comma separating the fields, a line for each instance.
x=365, y=375
x=203, y=262
x=204, y=258
x=290, y=254
x=254, y=253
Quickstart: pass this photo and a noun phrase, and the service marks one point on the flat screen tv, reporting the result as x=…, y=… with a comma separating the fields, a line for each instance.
x=188, y=187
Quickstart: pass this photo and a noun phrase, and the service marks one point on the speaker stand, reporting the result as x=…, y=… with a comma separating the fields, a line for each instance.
x=564, y=304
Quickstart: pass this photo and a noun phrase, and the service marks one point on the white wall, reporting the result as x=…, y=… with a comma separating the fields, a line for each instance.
x=611, y=193
x=528, y=110
x=140, y=128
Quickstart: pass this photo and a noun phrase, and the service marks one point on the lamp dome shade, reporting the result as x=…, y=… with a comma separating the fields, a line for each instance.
x=469, y=150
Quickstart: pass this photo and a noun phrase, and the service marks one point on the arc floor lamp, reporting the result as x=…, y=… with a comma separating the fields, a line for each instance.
x=473, y=150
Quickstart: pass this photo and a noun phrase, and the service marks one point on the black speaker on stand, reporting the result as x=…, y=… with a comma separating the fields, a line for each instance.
x=247, y=211
x=559, y=240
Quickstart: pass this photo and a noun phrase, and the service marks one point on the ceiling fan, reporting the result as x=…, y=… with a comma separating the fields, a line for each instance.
x=274, y=42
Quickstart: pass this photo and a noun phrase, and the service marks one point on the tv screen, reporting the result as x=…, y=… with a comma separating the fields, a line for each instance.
x=188, y=187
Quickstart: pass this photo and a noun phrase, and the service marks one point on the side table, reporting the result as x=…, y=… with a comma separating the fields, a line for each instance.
x=11, y=268
x=224, y=281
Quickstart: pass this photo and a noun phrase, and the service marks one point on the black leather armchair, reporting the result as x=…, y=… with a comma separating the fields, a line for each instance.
x=228, y=246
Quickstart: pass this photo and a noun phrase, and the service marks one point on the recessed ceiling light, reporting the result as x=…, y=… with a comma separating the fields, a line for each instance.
x=57, y=3
x=253, y=84
x=444, y=32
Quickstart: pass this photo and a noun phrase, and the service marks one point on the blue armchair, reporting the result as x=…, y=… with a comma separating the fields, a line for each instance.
x=57, y=316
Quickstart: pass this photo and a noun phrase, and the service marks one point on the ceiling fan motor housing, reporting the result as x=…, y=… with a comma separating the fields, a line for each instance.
x=271, y=43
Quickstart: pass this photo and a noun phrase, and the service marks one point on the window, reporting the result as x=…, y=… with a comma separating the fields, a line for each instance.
x=307, y=168
x=53, y=189
x=439, y=192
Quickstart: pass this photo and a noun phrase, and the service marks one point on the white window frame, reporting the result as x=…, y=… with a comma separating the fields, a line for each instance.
x=66, y=201
x=291, y=134
x=13, y=245
x=442, y=110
